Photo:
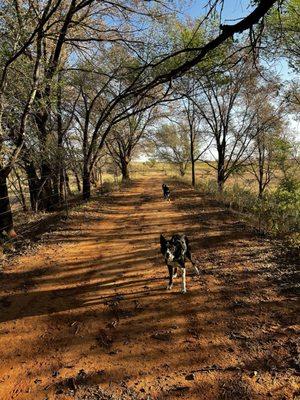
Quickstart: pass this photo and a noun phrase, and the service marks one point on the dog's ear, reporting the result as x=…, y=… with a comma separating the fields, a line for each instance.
x=162, y=240
x=163, y=244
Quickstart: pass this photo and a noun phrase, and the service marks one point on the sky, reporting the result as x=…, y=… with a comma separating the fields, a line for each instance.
x=233, y=11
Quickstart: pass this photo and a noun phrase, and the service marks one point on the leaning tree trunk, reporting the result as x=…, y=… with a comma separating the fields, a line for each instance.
x=6, y=218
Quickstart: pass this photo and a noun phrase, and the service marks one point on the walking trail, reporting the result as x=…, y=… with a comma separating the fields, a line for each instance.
x=86, y=314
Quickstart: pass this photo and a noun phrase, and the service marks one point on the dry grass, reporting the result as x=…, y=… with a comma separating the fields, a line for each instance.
x=278, y=213
x=205, y=174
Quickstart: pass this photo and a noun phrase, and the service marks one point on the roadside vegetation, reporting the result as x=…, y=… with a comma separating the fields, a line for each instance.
x=276, y=213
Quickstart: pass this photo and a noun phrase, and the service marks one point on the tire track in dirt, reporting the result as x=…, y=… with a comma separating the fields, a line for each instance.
x=98, y=322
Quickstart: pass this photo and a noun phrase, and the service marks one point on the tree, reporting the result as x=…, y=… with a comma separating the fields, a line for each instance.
x=172, y=145
x=126, y=136
x=17, y=44
x=228, y=117
x=268, y=130
x=194, y=135
x=283, y=32
x=190, y=115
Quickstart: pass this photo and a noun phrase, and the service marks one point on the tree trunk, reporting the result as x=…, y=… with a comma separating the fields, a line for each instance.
x=56, y=187
x=125, y=171
x=86, y=183
x=60, y=164
x=22, y=197
x=220, y=185
x=6, y=218
x=94, y=178
x=33, y=184
x=46, y=192
x=221, y=180
x=46, y=189
x=260, y=179
x=61, y=183
x=193, y=172
x=260, y=190
x=101, y=181
x=221, y=172
x=69, y=191
x=181, y=170
x=192, y=161
x=77, y=179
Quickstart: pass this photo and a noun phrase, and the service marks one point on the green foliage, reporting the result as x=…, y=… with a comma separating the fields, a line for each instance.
x=284, y=31
x=191, y=37
x=283, y=152
x=289, y=184
x=283, y=207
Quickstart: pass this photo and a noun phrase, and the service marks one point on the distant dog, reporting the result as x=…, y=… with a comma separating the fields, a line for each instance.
x=166, y=192
x=176, y=251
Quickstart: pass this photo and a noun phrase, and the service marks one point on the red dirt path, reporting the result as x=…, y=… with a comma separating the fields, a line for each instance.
x=88, y=317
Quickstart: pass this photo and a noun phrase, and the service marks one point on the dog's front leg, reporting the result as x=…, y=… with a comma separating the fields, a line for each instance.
x=170, y=284
x=183, y=281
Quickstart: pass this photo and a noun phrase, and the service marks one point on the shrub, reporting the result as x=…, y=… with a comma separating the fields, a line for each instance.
x=107, y=187
x=285, y=207
x=277, y=213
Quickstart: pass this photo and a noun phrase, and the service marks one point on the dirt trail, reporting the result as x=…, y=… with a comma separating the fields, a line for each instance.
x=88, y=317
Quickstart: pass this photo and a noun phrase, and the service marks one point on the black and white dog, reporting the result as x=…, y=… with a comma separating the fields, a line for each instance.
x=176, y=251
x=166, y=192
